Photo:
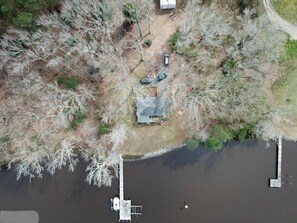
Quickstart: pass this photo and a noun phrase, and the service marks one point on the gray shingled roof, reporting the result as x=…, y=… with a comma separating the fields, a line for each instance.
x=151, y=106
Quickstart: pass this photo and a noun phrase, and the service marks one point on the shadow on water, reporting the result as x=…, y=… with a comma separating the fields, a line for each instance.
x=228, y=148
x=183, y=157
x=243, y=145
x=79, y=186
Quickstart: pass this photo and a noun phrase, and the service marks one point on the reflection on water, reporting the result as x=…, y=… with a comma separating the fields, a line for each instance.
x=229, y=186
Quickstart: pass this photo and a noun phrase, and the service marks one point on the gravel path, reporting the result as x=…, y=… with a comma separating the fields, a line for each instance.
x=280, y=22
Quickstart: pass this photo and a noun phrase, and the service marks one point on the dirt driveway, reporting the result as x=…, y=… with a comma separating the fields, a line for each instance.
x=280, y=22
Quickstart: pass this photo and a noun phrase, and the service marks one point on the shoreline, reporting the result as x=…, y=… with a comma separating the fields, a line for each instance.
x=130, y=158
x=152, y=154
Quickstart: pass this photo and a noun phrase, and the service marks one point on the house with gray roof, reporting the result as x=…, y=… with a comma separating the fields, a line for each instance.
x=151, y=109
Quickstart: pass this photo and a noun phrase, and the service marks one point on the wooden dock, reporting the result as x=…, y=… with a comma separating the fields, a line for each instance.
x=125, y=207
x=121, y=178
x=277, y=183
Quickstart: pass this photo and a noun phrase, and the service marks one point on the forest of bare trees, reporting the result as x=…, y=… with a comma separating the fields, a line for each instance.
x=226, y=64
x=35, y=115
x=229, y=66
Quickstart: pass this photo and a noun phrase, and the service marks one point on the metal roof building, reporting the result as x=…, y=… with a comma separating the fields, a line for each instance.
x=167, y=4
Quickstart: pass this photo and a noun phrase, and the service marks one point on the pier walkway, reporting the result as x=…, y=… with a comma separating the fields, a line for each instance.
x=121, y=178
x=125, y=208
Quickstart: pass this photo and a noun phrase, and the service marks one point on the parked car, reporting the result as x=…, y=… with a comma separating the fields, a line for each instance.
x=146, y=80
x=166, y=59
x=161, y=76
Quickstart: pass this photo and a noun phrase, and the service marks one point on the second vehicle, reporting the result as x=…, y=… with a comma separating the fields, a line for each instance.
x=146, y=80
x=162, y=76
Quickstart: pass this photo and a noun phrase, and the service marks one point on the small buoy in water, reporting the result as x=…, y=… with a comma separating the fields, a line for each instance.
x=185, y=206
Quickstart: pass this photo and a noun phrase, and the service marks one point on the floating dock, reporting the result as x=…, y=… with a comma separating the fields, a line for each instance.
x=277, y=183
x=125, y=207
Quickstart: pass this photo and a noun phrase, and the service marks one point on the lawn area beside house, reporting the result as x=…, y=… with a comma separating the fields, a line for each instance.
x=283, y=94
x=148, y=138
x=283, y=98
x=286, y=9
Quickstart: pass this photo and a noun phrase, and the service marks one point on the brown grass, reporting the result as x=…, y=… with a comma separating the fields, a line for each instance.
x=148, y=138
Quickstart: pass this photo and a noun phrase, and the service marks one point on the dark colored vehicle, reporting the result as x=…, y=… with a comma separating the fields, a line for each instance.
x=166, y=59
x=161, y=76
x=146, y=80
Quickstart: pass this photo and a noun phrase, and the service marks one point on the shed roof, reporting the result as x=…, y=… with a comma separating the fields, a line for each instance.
x=167, y=4
x=143, y=119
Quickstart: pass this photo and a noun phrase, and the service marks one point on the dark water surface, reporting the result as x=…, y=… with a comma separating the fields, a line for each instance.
x=229, y=186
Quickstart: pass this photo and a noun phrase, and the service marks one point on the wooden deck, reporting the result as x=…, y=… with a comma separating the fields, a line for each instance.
x=125, y=207
x=278, y=181
x=125, y=210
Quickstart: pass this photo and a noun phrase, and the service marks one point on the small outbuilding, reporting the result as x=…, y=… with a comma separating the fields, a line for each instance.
x=167, y=4
x=151, y=109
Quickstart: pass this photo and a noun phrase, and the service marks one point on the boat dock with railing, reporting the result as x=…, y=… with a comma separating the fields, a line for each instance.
x=125, y=207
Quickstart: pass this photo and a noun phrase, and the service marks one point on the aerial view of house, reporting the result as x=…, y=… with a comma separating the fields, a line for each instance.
x=186, y=106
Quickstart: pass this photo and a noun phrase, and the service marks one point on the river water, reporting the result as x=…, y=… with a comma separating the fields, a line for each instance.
x=228, y=186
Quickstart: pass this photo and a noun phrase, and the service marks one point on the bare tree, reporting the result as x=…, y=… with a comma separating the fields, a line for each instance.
x=48, y=101
x=34, y=117
x=137, y=43
x=204, y=98
x=149, y=6
x=177, y=91
x=118, y=135
x=134, y=10
x=92, y=17
x=256, y=42
x=102, y=168
x=206, y=22
x=31, y=155
x=64, y=155
x=267, y=131
x=123, y=88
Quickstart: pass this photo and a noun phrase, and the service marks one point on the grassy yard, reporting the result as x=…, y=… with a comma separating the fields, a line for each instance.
x=284, y=99
x=283, y=95
x=285, y=89
x=287, y=9
x=149, y=138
